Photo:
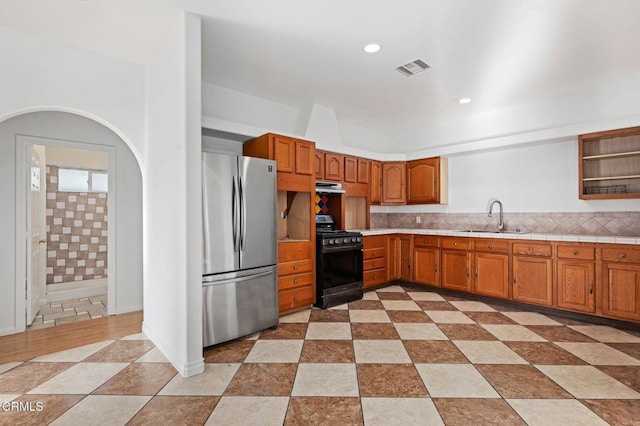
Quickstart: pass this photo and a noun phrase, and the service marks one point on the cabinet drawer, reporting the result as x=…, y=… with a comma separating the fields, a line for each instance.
x=621, y=254
x=532, y=249
x=373, y=253
x=292, y=281
x=493, y=245
x=294, y=250
x=426, y=241
x=456, y=243
x=577, y=252
x=374, y=264
x=373, y=241
x=295, y=267
x=289, y=299
x=377, y=276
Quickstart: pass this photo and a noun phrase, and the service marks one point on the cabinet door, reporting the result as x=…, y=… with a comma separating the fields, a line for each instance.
x=532, y=280
x=363, y=170
x=575, y=289
x=393, y=258
x=621, y=291
x=350, y=169
x=393, y=183
x=426, y=268
x=319, y=165
x=285, y=154
x=422, y=181
x=375, y=184
x=405, y=267
x=304, y=157
x=456, y=266
x=491, y=275
x=332, y=166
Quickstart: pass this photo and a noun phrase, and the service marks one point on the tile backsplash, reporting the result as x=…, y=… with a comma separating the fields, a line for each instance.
x=582, y=223
x=76, y=233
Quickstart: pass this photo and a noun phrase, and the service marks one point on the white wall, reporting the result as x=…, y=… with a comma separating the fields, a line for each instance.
x=76, y=158
x=45, y=75
x=172, y=281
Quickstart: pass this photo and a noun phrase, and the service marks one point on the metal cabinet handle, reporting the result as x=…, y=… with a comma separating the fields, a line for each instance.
x=295, y=266
x=455, y=244
x=295, y=298
x=575, y=252
x=623, y=255
x=530, y=249
x=436, y=265
x=476, y=273
x=295, y=281
x=490, y=246
x=591, y=288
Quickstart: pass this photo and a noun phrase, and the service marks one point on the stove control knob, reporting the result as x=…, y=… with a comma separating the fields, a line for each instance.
x=331, y=241
x=346, y=241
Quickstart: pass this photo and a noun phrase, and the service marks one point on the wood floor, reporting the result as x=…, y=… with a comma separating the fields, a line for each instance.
x=33, y=343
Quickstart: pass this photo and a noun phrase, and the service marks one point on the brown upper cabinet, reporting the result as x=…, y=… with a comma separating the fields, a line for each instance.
x=363, y=170
x=375, y=184
x=333, y=166
x=393, y=182
x=609, y=164
x=427, y=181
x=292, y=155
x=319, y=164
x=350, y=169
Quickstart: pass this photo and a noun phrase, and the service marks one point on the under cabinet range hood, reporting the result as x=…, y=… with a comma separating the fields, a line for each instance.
x=329, y=187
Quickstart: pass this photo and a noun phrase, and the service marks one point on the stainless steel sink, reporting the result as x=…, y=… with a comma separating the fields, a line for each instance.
x=486, y=231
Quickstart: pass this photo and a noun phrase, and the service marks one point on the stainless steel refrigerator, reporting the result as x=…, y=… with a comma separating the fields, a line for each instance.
x=240, y=288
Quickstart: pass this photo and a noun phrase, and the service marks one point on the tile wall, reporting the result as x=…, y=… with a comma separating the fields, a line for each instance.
x=590, y=223
x=76, y=233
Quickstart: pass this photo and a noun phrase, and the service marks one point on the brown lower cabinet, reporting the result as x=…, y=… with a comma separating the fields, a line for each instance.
x=532, y=273
x=296, y=277
x=456, y=264
x=375, y=260
x=621, y=282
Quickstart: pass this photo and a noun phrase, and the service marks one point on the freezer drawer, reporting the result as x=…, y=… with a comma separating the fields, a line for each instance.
x=238, y=304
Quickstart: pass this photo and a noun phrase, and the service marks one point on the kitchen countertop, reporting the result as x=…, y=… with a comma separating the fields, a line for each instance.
x=508, y=235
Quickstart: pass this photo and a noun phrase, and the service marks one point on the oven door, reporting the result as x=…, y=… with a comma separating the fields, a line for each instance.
x=339, y=270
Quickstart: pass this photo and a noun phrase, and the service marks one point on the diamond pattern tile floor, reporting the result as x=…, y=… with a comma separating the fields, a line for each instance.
x=400, y=356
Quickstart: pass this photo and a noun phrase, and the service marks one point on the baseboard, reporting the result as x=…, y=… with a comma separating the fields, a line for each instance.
x=128, y=309
x=76, y=290
x=185, y=369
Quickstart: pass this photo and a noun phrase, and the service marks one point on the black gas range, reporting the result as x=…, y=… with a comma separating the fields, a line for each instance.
x=338, y=264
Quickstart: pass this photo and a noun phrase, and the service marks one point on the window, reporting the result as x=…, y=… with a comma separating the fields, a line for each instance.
x=75, y=180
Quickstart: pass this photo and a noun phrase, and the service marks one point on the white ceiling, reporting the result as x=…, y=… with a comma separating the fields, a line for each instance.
x=500, y=53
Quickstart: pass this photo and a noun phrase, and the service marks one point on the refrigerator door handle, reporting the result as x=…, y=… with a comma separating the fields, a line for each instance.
x=243, y=211
x=234, y=213
x=236, y=280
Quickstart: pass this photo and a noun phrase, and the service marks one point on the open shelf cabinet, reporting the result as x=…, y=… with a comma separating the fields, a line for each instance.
x=609, y=164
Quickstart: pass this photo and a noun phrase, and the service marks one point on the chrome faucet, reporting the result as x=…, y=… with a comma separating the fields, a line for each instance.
x=501, y=224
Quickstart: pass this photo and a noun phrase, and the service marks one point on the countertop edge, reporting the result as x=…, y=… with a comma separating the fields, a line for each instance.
x=511, y=236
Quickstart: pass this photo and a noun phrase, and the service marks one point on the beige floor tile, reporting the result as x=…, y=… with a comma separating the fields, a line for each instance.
x=75, y=354
x=75, y=303
x=606, y=334
x=370, y=295
x=380, y=351
x=425, y=296
x=82, y=378
x=400, y=305
x=392, y=288
x=8, y=366
x=598, y=353
x=329, y=331
x=213, y=381
x=455, y=381
x=154, y=355
x=530, y=318
x=249, y=411
x=301, y=316
x=449, y=317
x=326, y=380
x=419, y=331
x=63, y=314
x=275, y=351
x=137, y=336
x=101, y=410
x=472, y=306
x=587, y=382
x=482, y=352
x=513, y=333
x=554, y=412
x=388, y=411
x=368, y=315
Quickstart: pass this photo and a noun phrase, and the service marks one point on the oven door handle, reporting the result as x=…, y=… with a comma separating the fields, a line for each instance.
x=336, y=249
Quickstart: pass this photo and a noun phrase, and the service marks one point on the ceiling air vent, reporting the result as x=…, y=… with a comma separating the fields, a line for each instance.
x=412, y=68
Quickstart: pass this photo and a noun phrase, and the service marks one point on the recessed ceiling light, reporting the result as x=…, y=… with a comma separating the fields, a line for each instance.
x=464, y=100
x=371, y=48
